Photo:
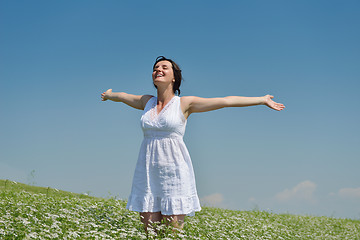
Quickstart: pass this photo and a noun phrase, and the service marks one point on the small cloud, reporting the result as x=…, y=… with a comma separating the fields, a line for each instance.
x=214, y=200
x=351, y=193
x=252, y=200
x=304, y=192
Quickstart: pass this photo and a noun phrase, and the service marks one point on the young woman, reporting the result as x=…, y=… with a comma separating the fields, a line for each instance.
x=164, y=182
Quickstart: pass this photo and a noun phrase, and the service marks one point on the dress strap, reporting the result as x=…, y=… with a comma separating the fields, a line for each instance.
x=149, y=103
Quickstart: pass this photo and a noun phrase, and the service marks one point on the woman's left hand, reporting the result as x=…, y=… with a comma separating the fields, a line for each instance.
x=271, y=104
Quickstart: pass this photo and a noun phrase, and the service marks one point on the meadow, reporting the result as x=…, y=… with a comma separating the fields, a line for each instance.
x=29, y=212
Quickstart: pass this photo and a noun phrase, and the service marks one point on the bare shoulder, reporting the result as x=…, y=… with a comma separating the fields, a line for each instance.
x=193, y=104
x=191, y=100
x=187, y=101
x=145, y=99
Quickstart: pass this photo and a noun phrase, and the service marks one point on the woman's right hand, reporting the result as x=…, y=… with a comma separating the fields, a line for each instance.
x=105, y=95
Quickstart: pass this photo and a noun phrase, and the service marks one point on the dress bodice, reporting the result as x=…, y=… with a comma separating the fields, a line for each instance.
x=169, y=122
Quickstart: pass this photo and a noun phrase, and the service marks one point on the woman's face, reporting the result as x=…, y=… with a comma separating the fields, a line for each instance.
x=163, y=72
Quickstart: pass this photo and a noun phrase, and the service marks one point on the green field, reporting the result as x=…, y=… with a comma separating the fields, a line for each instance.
x=29, y=212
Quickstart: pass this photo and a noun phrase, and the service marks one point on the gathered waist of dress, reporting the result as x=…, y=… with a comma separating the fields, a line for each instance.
x=161, y=134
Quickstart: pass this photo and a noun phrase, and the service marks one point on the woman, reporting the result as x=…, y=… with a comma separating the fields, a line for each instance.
x=164, y=183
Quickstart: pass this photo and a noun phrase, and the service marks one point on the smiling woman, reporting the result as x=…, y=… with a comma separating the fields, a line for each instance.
x=164, y=187
x=165, y=65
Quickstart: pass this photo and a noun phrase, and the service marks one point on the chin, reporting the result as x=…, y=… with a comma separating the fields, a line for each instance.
x=157, y=81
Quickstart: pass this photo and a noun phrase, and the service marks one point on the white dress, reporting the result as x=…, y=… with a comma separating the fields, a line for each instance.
x=164, y=179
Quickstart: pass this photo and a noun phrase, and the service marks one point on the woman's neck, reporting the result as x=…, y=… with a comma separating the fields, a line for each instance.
x=165, y=95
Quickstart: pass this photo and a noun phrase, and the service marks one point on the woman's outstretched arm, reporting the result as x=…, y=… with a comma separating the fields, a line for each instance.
x=192, y=104
x=135, y=101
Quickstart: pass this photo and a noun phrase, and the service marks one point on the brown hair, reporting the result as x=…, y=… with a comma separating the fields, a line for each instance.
x=176, y=70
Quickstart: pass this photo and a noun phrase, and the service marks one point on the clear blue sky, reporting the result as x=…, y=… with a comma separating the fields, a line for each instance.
x=56, y=57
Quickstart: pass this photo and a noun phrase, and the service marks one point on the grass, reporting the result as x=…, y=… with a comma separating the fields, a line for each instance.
x=15, y=186
x=29, y=212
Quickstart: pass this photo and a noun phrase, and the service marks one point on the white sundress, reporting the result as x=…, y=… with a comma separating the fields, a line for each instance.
x=164, y=179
